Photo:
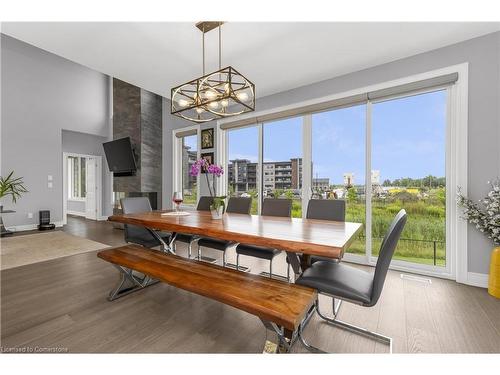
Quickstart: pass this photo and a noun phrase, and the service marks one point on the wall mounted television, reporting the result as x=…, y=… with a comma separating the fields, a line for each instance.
x=120, y=157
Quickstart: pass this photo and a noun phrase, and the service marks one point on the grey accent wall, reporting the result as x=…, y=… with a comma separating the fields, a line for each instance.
x=151, y=137
x=127, y=123
x=483, y=56
x=137, y=114
x=42, y=94
x=89, y=144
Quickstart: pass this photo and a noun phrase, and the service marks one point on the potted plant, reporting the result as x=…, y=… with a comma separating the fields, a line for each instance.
x=218, y=205
x=11, y=186
x=485, y=215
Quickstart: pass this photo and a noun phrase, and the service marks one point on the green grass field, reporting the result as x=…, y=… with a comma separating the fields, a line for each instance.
x=424, y=230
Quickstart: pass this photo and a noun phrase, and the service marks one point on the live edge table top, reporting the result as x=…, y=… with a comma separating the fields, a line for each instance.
x=308, y=236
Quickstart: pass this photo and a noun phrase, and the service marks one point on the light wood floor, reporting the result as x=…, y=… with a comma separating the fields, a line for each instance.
x=62, y=303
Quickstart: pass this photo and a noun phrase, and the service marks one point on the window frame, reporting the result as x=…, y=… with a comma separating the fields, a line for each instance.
x=456, y=164
x=177, y=147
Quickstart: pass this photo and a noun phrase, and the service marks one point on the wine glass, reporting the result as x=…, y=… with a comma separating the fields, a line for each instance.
x=177, y=199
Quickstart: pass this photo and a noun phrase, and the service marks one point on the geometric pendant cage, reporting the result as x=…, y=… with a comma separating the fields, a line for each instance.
x=219, y=94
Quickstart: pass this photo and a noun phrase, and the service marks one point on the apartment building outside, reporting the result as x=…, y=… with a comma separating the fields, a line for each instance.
x=284, y=175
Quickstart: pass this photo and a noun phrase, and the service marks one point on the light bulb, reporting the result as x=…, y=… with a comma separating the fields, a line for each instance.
x=213, y=105
x=183, y=103
x=242, y=96
x=224, y=103
x=210, y=95
x=226, y=88
x=199, y=110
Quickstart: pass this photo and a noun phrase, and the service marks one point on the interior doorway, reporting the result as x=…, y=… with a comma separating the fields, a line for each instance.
x=82, y=186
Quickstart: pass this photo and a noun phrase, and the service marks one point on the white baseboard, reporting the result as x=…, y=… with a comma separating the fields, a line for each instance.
x=477, y=279
x=102, y=218
x=22, y=228
x=75, y=213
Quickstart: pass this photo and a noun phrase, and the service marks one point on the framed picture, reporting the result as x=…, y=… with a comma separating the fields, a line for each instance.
x=207, y=138
x=208, y=156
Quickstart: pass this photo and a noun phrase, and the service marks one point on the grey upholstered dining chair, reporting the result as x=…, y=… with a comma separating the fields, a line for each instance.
x=203, y=205
x=326, y=209
x=323, y=209
x=136, y=234
x=270, y=207
x=237, y=205
x=347, y=283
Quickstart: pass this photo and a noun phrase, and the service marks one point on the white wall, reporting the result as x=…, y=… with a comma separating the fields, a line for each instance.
x=42, y=94
x=76, y=207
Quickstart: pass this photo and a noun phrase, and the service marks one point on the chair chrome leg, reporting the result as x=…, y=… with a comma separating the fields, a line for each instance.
x=203, y=258
x=237, y=262
x=352, y=328
x=336, y=306
x=224, y=259
x=308, y=346
x=271, y=269
x=190, y=249
x=288, y=272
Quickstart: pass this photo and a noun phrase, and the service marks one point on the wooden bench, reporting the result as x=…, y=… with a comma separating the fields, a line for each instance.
x=281, y=306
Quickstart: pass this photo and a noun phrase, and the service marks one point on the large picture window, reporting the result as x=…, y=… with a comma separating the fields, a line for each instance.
x=409, y=165
x=338, y=162
x=243, y=173
x=189, y=156
x=380, y=151
x=282, y=161
x=185, y=154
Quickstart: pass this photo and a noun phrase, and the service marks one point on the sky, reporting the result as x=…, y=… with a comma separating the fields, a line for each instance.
x=408, y=139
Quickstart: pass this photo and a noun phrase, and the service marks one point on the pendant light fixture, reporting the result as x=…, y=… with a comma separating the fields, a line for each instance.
x=219, y=94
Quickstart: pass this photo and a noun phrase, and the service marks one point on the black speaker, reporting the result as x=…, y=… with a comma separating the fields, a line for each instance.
x=45, y=224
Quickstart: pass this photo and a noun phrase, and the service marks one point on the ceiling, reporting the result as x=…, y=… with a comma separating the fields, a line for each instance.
x=275, y=56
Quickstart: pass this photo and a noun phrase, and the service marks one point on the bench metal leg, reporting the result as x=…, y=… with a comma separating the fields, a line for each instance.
x=347, y=326
x=129, y=282
x=286, y=338
x=284, y=343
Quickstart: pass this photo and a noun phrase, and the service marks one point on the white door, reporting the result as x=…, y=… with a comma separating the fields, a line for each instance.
x=91, y=188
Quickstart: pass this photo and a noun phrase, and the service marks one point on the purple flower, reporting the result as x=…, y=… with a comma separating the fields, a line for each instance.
x=202, y=165
x=195, y=170
x=215, y=170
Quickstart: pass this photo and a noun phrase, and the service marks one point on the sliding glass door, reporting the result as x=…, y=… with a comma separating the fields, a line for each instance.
x=408, y=158
x=338, y=162
x=282, y=161
x=379, y=156
x=243, y=173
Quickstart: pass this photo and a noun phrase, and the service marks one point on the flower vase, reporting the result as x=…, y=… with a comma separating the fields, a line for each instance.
x=217, y=212
x=494, y=277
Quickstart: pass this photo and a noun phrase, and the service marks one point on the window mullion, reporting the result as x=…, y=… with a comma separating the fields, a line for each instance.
x=306, y=161
x=368, y=183
x=260, y=175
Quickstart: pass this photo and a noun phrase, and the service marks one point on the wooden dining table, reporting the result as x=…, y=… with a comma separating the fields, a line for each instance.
x=294, y=235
